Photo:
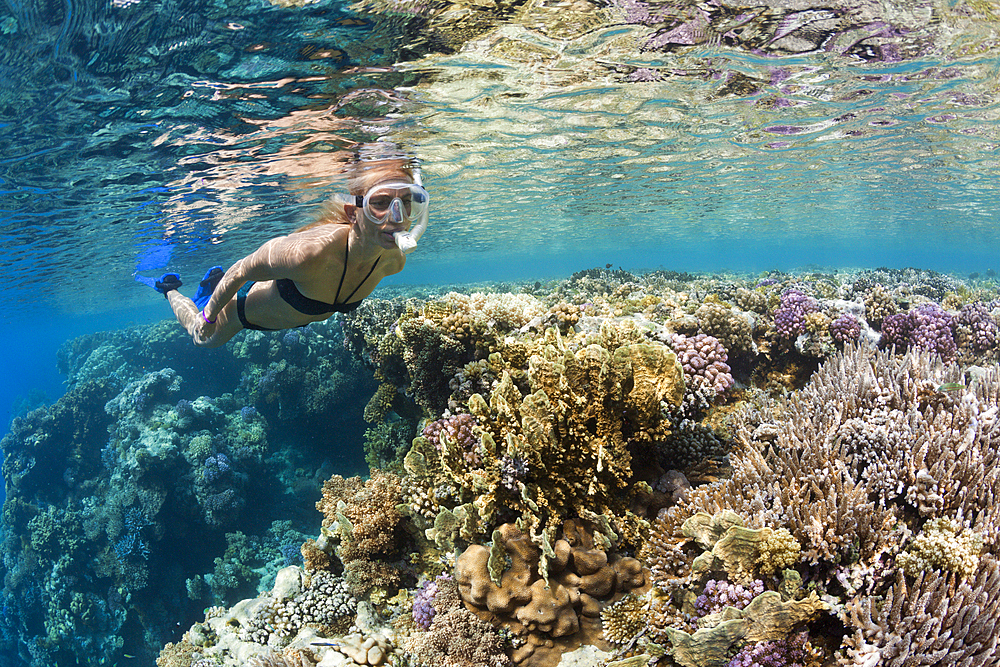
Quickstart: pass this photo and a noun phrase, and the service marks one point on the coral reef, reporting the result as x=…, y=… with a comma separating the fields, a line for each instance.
x=655, y=468
x=127, y=498
x=841, y=475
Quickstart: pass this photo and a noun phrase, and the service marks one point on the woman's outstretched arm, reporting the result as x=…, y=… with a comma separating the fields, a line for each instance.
x=283, y=257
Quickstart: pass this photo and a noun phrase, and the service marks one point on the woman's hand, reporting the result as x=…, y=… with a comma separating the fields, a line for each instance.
x=205, y=329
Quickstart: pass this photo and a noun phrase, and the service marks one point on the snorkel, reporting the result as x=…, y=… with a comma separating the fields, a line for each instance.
x=406, y=240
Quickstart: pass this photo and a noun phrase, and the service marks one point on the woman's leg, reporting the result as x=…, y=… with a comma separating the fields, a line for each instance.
x=204, y=334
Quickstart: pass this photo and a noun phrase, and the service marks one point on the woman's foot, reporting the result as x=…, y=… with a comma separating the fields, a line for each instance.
x=167, y=282
x=207, y=286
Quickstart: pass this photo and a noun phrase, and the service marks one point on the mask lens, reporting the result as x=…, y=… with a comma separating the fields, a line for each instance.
x=383, y=198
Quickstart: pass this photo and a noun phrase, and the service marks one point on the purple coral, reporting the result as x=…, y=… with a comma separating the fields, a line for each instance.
x=845, y=328
x=719, y=594
x=460, y=430
x=927, y=327
x=790, y=316
x=978, y=325
x=932, y=330
x=216, y=466
x=423, y=602
x=788, y=652
x=248, y=413
x=704, y=360
x=896, y=329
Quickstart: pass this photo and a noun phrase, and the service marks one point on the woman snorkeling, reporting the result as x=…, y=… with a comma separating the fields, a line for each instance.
x=326, y=267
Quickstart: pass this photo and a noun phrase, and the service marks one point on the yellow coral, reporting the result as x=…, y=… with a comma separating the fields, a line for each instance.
x=778, y=551
x=942, y=544
x=624, y=619
x=379, y=405
x=817, y=323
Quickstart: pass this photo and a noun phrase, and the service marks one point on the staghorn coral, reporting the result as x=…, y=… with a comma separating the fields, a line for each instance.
x=868, y=450
x=938, y=617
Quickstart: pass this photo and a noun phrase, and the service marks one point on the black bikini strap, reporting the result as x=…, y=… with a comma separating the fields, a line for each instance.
x=367, y=276
x=347, y=254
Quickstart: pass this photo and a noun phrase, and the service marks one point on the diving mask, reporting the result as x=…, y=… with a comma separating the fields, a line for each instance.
x=396, y=202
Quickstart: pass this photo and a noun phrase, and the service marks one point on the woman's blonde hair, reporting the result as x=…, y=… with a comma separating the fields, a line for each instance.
x=361, y=174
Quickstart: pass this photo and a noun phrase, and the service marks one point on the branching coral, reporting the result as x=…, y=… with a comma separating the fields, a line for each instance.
x=456, y=637
x=363, y=517
x=869, y=450
x=939, y=618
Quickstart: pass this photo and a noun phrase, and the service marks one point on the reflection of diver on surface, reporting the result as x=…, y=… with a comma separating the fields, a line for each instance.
x=323, y=268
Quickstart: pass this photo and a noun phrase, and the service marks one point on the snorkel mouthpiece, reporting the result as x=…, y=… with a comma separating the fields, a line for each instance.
x=407, y=241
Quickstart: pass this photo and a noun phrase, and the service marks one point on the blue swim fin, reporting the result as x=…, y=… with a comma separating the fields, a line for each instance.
x=207, y=286
x=167, y=282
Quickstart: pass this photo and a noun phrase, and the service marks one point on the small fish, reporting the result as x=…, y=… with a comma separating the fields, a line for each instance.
x=951, y=386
